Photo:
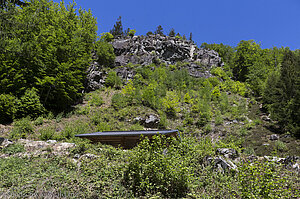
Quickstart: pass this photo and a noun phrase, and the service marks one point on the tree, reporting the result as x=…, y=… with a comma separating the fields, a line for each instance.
x=191, y=36
x=283, y=94
x=149, y=33
x=118, y=28
x=172, y=33
x=50, y=51
x=159, y=30
x=5, y=3
x=247, y=53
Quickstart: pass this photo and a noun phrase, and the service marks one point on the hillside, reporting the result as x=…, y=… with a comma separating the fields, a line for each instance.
x=236, y=108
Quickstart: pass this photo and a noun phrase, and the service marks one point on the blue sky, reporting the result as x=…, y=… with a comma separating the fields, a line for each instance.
x=269, y=22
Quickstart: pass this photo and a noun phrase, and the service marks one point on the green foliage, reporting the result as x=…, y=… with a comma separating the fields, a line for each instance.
x=170, y=103
x=105, y=53
x=247, y=53
x=13, y=149
x=172, y=33
x=263, y=180
x=226, y=52
x=131, y=32
x=113, y=80
x=30, y=105
x=38, y=121
x=47, y=133
x=106, y=37
x=159, y=30
x=155, y=168
x=7, y=108
x=282, y=93
x=119, y=101
x=73, y=128
x=49, y=50
x=118, y=28
x=21, y=128
x=95, y=99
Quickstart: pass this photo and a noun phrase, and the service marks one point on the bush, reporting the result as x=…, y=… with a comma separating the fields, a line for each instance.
x=105, y=53
x=119, y=101
x=95, y=99
x=47, y=133
x=170, y=103
x=22, y=128
x=263, y=180
x=30, y=105
x=155, y=168
x=74, y=128
x=113, y=80
x=13, y=149
x=7, y=108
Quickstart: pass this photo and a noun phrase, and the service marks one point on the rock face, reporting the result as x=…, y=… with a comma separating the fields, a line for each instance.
x=145, y=50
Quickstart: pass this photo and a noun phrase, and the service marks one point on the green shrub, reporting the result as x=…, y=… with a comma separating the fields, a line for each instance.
x=73, y=128
x=95, y=99
x=59, y=117
x=105, y=53
x=38, y=121
x=103, y=126
x=113, y=80
x=119, y=101
x=13, y=149
x=21, y=128
x=47, y=133
x=218, y=118
x=30, y=105
x=155, y=168
x=170, y=103
x=7, y=108
x=263, y=180
x=204, y=118
x=280, y=146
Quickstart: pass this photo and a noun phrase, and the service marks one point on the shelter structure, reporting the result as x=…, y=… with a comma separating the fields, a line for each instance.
x=125, y=139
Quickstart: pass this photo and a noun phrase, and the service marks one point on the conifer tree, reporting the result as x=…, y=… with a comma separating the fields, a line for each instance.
x=118, y=28
x=172, y=33
x=191, y=36
x=159, y=30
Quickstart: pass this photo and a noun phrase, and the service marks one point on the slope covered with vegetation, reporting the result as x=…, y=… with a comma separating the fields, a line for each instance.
x=46, y=49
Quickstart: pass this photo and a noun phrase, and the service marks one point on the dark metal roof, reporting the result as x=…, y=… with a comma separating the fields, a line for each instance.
x=127, y=133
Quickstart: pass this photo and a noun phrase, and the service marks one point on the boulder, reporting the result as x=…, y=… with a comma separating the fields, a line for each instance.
x=274, y=137
x=228, y=153
x=150, y=121
x=222, y=164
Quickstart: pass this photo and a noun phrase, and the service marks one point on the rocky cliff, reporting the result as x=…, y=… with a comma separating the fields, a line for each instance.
x=145, y=50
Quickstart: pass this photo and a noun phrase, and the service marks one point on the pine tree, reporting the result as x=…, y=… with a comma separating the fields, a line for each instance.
x=191, y=37
x=172, y=33
x=159, y=30
x=118, y=28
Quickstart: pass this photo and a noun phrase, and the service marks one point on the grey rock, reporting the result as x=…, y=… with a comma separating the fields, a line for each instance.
x=222, y=164
x=274, y=137
x=51, y=141
x=5, y=142
x=228, y=153
x=152, y=121
x=155, y=49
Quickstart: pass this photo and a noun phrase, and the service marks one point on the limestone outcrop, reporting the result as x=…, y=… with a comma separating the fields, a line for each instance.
x=157, y=49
